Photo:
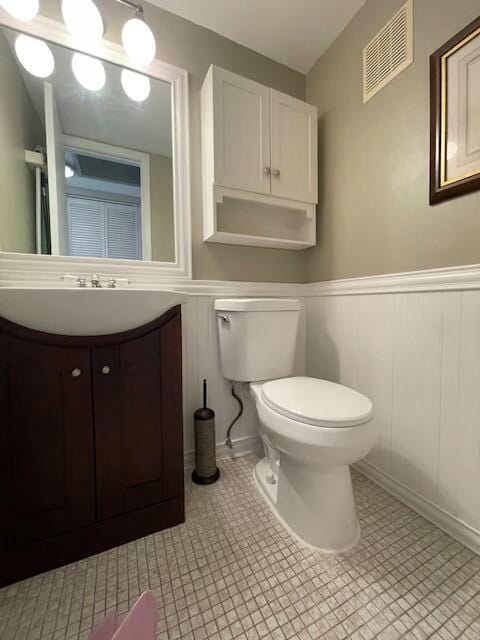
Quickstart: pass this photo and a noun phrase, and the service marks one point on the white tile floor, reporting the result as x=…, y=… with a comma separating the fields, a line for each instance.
x=231, y=571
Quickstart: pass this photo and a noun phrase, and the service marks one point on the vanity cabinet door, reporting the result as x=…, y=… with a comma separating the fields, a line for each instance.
x=46, y=441
x=137, y=391
x=241, y=132
x=294, y=148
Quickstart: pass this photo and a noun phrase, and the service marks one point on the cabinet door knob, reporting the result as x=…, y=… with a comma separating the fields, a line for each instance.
x=267, y=171
x=76, y=372
x=106, y=370
x=276, y=172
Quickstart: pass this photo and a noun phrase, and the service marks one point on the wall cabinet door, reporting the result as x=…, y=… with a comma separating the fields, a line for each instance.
x=46, y=441
x=294, y=148
x=137, y=403
x=241, y=132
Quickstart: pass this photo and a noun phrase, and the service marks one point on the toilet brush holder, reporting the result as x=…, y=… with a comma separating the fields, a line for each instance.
x=206, y=470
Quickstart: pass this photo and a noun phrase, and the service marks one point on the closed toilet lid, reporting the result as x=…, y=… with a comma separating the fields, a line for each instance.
x=317, y=402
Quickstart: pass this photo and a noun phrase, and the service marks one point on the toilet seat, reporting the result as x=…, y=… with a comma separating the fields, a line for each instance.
x=317, y=402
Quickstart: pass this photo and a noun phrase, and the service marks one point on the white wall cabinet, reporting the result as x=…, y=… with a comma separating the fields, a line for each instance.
x=259, y=158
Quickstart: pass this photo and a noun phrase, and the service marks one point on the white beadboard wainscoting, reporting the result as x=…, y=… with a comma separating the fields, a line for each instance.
x=411, y=342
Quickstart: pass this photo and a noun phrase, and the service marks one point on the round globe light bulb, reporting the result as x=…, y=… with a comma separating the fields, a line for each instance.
x=83, y=20
x=35, y=56
x=69, y=172
x=136, y=86
x=89, y=71
x=138, y=41
x=24, y=10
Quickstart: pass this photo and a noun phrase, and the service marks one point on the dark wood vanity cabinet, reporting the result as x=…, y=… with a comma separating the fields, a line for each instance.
x=91, y=447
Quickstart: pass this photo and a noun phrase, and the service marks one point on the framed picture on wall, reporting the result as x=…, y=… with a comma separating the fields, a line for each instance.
x=455, y=116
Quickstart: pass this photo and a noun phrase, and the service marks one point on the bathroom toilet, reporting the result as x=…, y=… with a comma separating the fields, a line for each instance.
x=312, y=429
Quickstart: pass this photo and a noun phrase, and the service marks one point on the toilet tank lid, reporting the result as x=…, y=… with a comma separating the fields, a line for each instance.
x=257, y=304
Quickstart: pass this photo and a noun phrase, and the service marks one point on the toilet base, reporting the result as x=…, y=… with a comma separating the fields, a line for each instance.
x=316, y=507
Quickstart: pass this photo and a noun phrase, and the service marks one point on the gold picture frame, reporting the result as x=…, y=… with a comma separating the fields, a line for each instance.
x=455, y=116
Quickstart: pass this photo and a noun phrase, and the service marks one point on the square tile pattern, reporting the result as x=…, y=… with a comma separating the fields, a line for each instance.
x=232, y=571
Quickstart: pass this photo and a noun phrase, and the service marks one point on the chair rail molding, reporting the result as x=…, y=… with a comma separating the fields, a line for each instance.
x=18, y=269
x=443, y=279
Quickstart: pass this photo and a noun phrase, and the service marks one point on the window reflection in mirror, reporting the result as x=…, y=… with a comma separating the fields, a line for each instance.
x=85, y=169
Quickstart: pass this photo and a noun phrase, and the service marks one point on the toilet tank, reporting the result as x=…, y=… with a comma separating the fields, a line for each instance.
x=257, y=337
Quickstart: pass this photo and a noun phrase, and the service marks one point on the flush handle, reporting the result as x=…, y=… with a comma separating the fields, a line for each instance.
x=224, y=318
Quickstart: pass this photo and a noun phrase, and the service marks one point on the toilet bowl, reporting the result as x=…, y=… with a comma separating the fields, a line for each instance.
x=312, y=429
x=318, y=428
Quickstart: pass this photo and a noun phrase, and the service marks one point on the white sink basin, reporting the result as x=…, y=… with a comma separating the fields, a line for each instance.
x=85, y=312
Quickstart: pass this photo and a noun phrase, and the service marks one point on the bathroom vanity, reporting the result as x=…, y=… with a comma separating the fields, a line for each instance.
x=91, y=446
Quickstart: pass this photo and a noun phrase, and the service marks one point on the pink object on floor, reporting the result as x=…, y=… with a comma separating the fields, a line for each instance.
x=139, y=624
x=106, y=628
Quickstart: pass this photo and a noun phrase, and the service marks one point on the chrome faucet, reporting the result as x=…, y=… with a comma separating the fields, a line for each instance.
x=95, y=281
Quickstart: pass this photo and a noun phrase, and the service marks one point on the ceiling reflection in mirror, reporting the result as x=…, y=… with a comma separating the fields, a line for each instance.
x=85, y=158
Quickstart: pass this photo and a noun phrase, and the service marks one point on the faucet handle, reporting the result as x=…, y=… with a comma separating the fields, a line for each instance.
x=95, y=281
x=79, y=280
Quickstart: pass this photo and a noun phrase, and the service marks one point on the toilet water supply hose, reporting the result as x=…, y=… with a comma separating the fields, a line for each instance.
x=228, y=441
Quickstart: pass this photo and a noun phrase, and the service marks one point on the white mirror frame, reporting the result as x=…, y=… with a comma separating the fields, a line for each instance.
x=29, y=267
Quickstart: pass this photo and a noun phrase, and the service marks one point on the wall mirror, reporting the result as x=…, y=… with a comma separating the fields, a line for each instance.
x=94, y=155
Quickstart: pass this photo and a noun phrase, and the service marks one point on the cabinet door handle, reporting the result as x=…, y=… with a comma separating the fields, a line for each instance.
x=267, y=171
x=276, y=172
x=76, y=372
x=106, y=370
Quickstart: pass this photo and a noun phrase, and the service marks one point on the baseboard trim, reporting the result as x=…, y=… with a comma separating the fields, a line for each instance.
x=241, y=447
x=445, y=521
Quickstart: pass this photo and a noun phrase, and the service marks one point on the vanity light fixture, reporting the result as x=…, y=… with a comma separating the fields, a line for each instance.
x=136, y=86
x=89, y=71
x=137, y=37
x=83, y=20
x=35, y=56
x=24, y=10
x=69, y=172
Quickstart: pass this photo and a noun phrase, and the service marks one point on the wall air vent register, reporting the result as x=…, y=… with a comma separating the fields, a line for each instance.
x=389, y=52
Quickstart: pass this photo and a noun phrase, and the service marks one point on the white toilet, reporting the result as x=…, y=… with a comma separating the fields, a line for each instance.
x=312, y=429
